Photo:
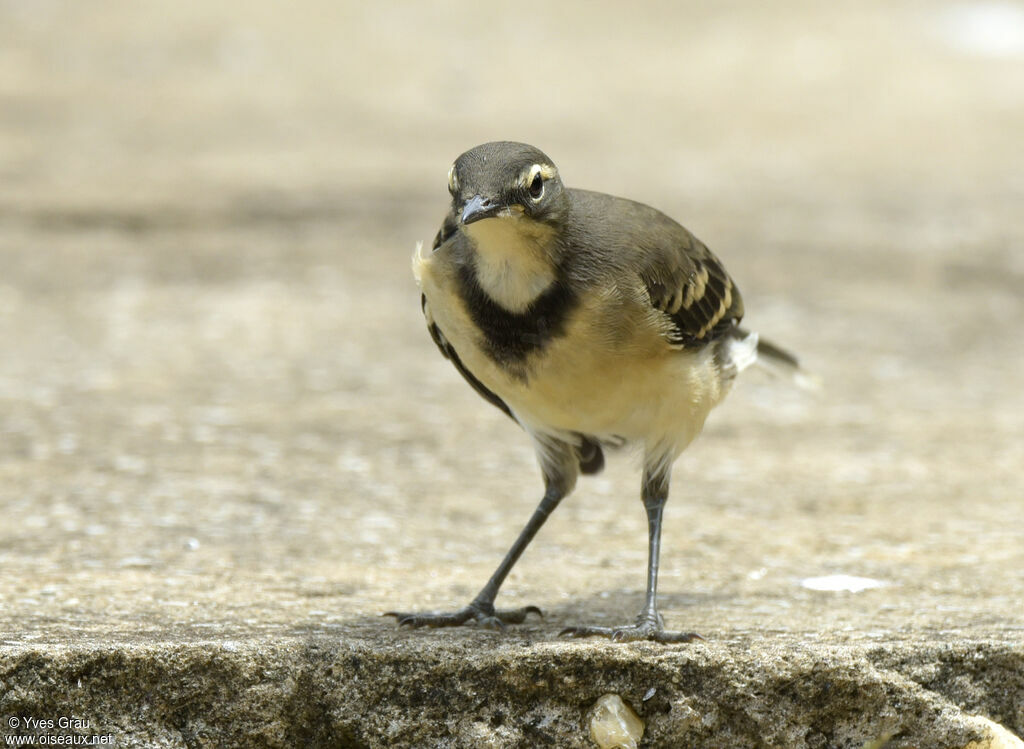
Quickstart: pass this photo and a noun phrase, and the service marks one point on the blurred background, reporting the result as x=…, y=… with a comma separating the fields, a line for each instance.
x=215, y=378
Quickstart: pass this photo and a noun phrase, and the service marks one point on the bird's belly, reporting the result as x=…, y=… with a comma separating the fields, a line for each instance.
x=656, y=400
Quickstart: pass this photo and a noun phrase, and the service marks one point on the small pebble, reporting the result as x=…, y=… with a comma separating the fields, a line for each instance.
x=837, y=583
x=614, y=725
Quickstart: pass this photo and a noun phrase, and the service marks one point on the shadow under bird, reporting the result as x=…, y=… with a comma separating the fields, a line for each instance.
x=591, y=321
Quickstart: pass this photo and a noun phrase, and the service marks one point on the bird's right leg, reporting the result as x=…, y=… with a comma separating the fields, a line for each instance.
x=649, y=624
x=559, y=466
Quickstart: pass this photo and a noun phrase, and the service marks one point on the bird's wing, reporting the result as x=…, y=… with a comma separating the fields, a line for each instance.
x=689, y=285
x=681, y=278
x=449, y=353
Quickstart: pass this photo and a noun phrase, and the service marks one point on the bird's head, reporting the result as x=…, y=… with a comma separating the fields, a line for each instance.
x=506, y=181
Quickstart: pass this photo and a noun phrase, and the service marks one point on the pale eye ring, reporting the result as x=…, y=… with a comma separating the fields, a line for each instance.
x=453, y=181
x=536, y=184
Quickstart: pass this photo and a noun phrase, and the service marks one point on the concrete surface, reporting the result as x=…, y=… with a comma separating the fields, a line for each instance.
x=227, y=442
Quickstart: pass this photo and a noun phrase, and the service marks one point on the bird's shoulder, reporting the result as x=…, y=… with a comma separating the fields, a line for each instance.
x=680, y=276
x=448, y=228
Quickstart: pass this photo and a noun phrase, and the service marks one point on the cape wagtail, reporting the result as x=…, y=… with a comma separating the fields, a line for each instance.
x=590, y=320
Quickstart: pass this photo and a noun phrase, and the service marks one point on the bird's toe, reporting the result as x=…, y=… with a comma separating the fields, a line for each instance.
x=632, y=633
x=483, y=614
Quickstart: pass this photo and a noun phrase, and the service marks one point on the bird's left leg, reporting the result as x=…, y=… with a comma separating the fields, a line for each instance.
x=649, y=624
x=559, y=466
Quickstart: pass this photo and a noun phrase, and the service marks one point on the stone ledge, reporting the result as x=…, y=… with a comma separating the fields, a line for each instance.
x=385, y=688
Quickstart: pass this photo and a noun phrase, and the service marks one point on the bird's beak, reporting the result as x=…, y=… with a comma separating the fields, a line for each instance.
x=479, y=207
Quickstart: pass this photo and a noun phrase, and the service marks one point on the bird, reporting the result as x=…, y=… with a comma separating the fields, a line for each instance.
x=592, y=321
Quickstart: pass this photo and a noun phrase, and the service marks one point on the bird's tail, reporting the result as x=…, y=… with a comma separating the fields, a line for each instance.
x=590, y=455
x=779, y=362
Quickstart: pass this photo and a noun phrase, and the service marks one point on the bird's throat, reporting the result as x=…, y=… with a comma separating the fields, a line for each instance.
x=513, y=263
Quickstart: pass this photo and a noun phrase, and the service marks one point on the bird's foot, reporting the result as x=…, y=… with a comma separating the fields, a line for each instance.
x=646, y=628
x=481, y=612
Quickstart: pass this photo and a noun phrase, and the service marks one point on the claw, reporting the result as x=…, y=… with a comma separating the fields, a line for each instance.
x=632, y=633
x=484, y=614
x=400, y=618
x=493, y=623
x=517, y=616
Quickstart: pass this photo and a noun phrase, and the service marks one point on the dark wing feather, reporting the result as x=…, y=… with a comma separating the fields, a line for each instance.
x=688, y=284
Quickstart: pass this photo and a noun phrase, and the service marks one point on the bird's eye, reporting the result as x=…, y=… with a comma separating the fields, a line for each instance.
x=536, y=186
